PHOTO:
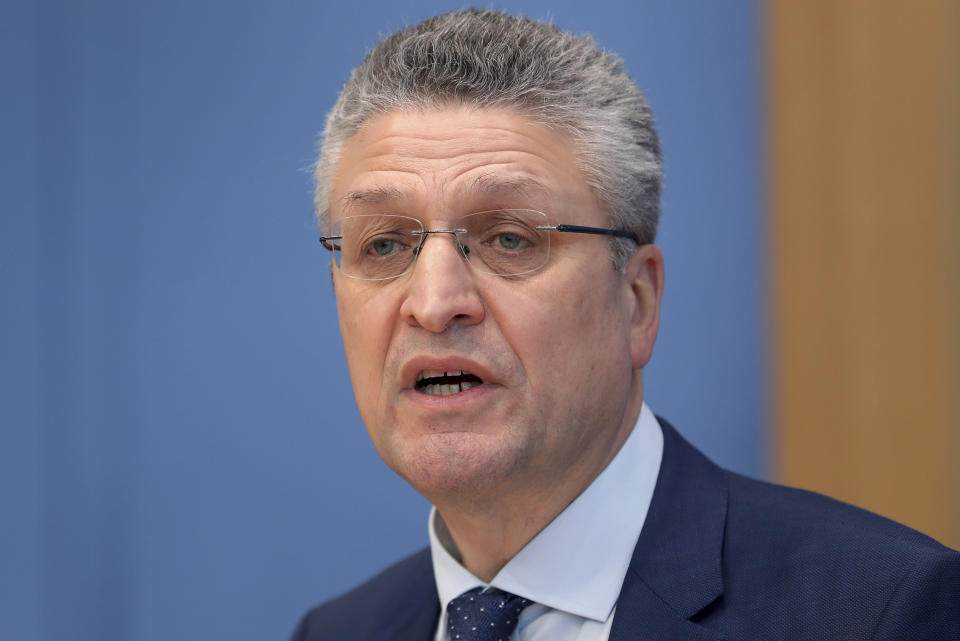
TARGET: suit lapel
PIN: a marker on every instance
(419, 627)
(417, 612)
(642, 615)
(676, 569)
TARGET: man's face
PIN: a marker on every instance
(557, 352)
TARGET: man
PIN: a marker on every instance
(489, 187)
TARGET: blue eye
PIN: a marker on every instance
(510, 241)
(383, 246)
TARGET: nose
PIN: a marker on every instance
(442, 290)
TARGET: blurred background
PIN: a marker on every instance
(180, 454)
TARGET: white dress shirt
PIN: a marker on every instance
(574, 568)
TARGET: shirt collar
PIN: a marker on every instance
(578, 562)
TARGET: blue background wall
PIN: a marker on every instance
(180, 449)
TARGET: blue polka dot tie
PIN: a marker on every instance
(484, 616)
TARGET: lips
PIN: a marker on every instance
(445, 383)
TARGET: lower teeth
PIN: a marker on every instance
(447, 389)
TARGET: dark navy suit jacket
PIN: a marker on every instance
(725, 557)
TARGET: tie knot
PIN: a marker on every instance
(484, 615)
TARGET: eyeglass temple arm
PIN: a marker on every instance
(325, 241)
(580, 229)
(574, 229)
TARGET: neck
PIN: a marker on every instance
(484, 533)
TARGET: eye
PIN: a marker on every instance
(511, 242)
(382, 246)
(505, 232)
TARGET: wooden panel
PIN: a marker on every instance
(865, 160)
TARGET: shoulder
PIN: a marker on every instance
(784, 547)
(802, 518)
(793, 564)
(380, 601)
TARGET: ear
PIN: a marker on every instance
(644, 274)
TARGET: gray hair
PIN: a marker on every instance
(494, 60)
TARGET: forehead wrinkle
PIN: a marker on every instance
(506, 184)
(439, 160)
(512, 170)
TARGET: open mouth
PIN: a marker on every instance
(437, 383)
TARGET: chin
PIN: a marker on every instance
(457, 463)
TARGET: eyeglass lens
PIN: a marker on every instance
(503, 242)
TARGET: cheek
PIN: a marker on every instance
(577, 336)
(559, 334)
(365, 327)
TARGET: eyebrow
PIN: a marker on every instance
(488, 184)
(508, 185)
(373, 196)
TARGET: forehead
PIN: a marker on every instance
(449, 159)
